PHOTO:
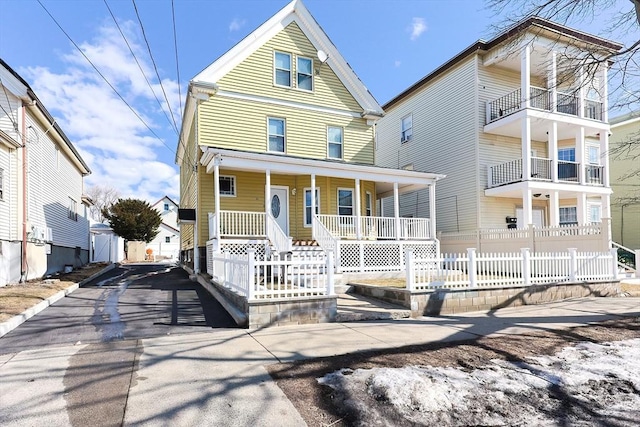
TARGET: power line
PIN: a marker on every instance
(175, 48)
(140, 67)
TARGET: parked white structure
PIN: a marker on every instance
(44, 223)
(106, 246)
(518, 124)
(167, 243)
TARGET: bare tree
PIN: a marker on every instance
(102, 196)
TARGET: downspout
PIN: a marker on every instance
(23, 272)
(196, 252)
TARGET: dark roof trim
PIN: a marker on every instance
(511, 32)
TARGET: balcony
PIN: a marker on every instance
(542, 99)
(541, 170)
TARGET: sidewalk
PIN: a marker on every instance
(219, 377)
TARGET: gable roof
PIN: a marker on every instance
(540, 25)
(163, 198)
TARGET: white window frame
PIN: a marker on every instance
(330, 143)
(284, 135)
(298, 73)
(1, 184)
(72, 211)
(167, 239)
(406, 134)
(567, 149)
(575, 209)
(590, 207)
(352, 200)
(307, 221)
(234, 188)
(593, 147)
(368, 203)
(166, 207)
(275, 69)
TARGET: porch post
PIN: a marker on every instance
(580, 160)
(582, 81)
(267, 191)
(396, 210)
(432, 210)
(581, 208)
(604, 92)
(553, 150)
(604, 153)
(526, 149)
(527, 208)
(216, 195)
(313, 203)
(357, 201)
(525, 76)
(554, 209)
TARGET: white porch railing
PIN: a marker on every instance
(343, 227)
(477, 270)
(323, 236)
(274, 277)
(415, 229)
(277, 236)
(237, 224)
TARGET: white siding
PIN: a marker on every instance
(5, 203)
(443, 141)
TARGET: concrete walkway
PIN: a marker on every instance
(218, 377)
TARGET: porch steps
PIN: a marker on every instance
(357, 308)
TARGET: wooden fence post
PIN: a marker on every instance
(473, 267)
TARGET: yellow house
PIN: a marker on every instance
(277, 116)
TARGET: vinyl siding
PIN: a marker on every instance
(188, 188)
(444, 138)
(10, 104)
(6, 213)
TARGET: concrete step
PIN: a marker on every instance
(355, 308)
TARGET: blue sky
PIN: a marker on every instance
(389, 44)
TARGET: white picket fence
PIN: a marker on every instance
(275, 276)
(477, 270)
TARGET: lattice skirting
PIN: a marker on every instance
(381, 256)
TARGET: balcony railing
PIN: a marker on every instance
(568, 171)
(542, 99)
(376, 228)
(594, 174)
(541, 170)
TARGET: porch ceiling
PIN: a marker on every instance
(565, 191)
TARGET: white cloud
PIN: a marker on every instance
(417, 27)
(397, 63)
(237, 24)
(119, 149)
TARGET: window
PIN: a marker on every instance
(406, 128)
(595, 213)
(227, 186)
(368, 205)
(282, 69)
(1, 184)
(166, 206)
(567, 154)
(345, 201)
(276, 135)
(167, 239)
(334, 135)
(73, 209)
(304, 72)
(568, 216)
(307, 205)
(594, 155)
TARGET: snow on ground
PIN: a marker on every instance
(580, 386)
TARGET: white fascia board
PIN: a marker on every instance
(625, 122)
(289, 165)
(7, 140)
(185, 130)
(13, 85)
(543, 186)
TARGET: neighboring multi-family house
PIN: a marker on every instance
(519, 125)
(44, 225)
(625, 180)
(277, 116)
(166, 244)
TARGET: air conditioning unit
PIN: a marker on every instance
(37, 233)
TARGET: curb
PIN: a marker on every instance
(19, 319)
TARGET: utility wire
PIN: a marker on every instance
(144, 35)
(175, 48)
(105, 79)
(140, 67)
(13, 122)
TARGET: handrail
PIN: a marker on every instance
(277, 236)
(322, 235)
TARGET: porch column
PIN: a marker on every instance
(525, 76)
(604, 92)
(216, 194)
(396, 209)
(313, 203)
(580, 155)
(605, 216)
(604, 154)
(554, 209)
(526, 149)
(553, 82)
(527, 208)
(357, 201)
(581, 208)
(432, 211)
(553, 150)
(267, 192)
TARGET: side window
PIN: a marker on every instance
(276, 129)
(304, 72)
(307, 205)
(282, 69)
(345, 201)
(73, 210)
(368, 208)
(227, 186)
(334, 136)
(406, 128)
(568, 215)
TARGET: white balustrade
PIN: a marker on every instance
(239, 223)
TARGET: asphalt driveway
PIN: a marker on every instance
(132, 301)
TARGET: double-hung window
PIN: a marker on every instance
(368, 204)
(167, 239)
(227, 186)
(1, 184)
(276, 135)
(282, 69)
(73, 209)
(307, 205)
(568, 215)
(406, 128)
(304, 71)
(334, 136)
(345, 201)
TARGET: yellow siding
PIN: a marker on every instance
(188, 187)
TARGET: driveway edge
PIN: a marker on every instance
(19, 319)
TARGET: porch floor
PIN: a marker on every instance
(354, 308)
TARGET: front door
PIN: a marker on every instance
(537, 217)
(280, 207)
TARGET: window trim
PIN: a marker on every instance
(72, 209)
(352, 190)
(1, 184)
(567, 149)
(233, 183)
(596, 147)
(591, 205)
(299, 73)
(275, 68)
(368, 203)
(560, 216)
(167, 239)
(284, 135)
(334, 143)
(304, 206)
(404, 139)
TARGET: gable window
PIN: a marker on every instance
(166, 206)
(227, 186)
(276, 135)
(406, 128)
(167, 239)
(304, 71)
(345, 201)
(368, 205)
(307, 205)
(1, 184)
(568, 215)
(334, 136)
(282, 69)
(73, 209)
